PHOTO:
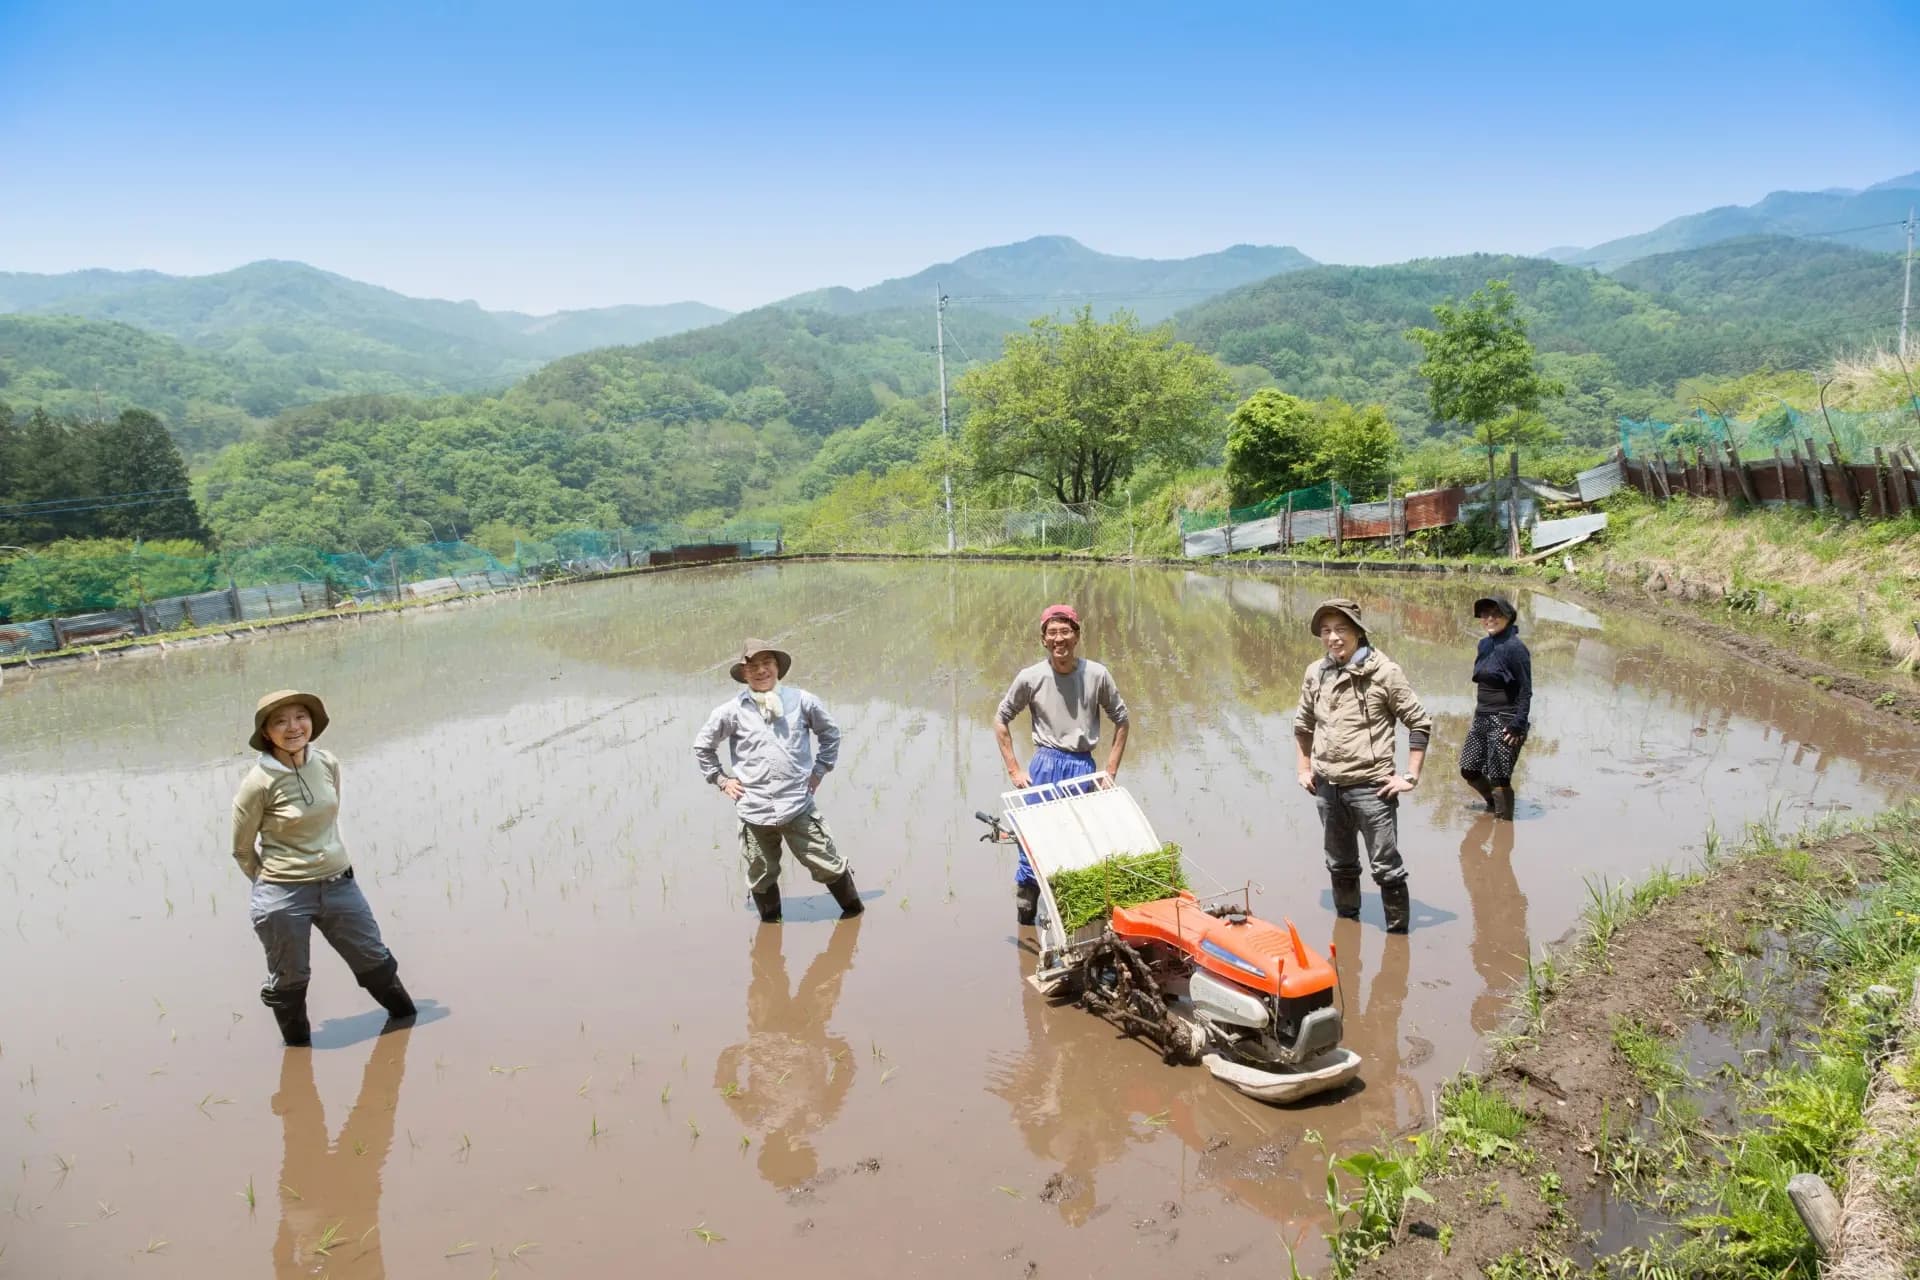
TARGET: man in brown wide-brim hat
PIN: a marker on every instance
(769, 729)
(1350, 701)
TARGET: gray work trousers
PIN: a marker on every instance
(808, 838)
(1347, 813)
(285, 914)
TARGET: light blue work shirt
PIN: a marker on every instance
(774, 759)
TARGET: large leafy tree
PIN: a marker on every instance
(134, 456)
(1077, 406)
(1481, 371)
(1277, 443)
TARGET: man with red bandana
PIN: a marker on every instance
(1066, 695)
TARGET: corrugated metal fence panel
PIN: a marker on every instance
(99, 628)
(1597, 482)
(1432, 509)
(209, 609)
(1204, 542)
(27, 637)
(1371, 520)
(1551, 533)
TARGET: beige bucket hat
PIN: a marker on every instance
(753, 648)
(276, 700)
(1348, 609)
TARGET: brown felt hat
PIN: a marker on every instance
(273, 702)
(1348, 609)
(753, 648)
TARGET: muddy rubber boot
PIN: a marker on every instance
(1478, 781)
(1346, 897)
(1399, 905)
(290, 1011)
(383, 984)
(846, 895)
(1026, 899)
(768, 901)
(1503, 803)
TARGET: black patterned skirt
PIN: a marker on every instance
(1487, 753)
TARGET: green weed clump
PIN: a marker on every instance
(1126, 880)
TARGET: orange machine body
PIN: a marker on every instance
(1255, 953)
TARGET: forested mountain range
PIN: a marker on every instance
(1620, 343)
(1052, 273)
(1858, 219)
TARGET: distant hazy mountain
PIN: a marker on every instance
(1859, 219)
(292, 311)
(1049, 273)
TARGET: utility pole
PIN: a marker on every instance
(1906, 292)
(940, 350)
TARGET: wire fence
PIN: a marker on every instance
(1854, 434)
(90, 593)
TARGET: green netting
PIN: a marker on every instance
(1780, 427)
(68, 579)
(1317, 497)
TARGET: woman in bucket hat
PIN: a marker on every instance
(1503, 676)
(1343, 733)
(769, 730)
(286, 838)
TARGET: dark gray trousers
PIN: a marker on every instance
(284, 916)
(1351, 814)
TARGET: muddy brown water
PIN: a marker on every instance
(604, 1022)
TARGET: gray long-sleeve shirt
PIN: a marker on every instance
(1066, 709)
(774, 759)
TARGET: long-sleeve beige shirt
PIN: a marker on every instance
(286, 822)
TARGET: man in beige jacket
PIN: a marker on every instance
(1343, 734)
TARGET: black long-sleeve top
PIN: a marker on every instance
(1503, 670)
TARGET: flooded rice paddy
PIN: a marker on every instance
(618, 1071)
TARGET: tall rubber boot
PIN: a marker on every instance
(846, 895)
(383, 984)
(1478, 781)
(1346, 896)
(768, 900)
(1503, 803)
(289, 1005)
(1026, 899)
(1399, 905)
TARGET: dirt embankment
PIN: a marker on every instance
(1575, 1087)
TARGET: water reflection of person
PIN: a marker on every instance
(322, 1182)
(1052, 1088)
(791, 1075)
(1499, 910)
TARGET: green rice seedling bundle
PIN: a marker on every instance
(1126, 880)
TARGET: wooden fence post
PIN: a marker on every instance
(1393, 538)
(1666, 486)
(1848, 499)
(1780, 473)
(233, 596)
(1747, 489)
(1338, 522)
(1911, 473)
(1814, 1201)
(1286, 525)
(1893, 494)
(1817, 479)
(1513, 504)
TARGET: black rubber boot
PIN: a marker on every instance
(1503, 803)
(1346, 897)
(383, 984)
(1026, 899)
(1478, 781)
(289, 1005)
(1399, 905)
(768, 900)
(846, 895)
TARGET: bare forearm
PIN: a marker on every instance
(1415, 758)
(1004, 736)
(1119, 749)
(1302, 751)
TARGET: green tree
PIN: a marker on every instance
(1077, 406)
(1357, 447)
(1481, 371)
(1272, 439)
(134, 456)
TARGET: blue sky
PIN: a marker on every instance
(564, 155)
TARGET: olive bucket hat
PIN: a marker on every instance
(273, 702)
(1348, 609)
(753, 648)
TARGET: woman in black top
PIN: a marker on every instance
(1503, 673)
